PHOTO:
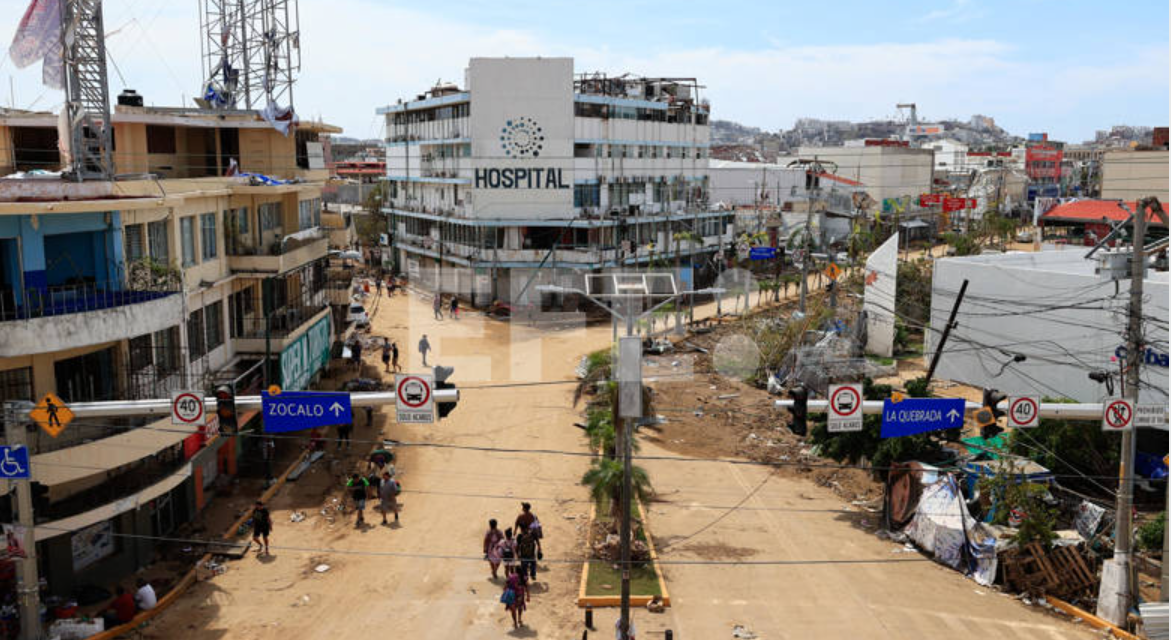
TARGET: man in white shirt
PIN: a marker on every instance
(145, 598)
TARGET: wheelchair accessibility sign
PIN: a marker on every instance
(14, 462)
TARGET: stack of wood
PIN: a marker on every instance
(1061, 571)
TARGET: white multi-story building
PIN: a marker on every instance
(530, 166)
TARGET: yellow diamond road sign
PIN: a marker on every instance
(51, 414)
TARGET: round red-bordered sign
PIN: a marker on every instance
(1119, 415)
(413, 402)
(1012, 411)
(833, 402)
(187, 407)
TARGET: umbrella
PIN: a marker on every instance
(385, 455)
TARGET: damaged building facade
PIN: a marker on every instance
(176, 275)
(531, 167)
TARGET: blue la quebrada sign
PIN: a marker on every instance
(762, 253)
(920, 415)
(300, 410)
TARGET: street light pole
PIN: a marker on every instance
(28, 583)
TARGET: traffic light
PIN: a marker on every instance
(225, 409)
(799, 410)
(441, 375)
(987, 416)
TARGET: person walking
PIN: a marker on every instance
(386, 351)
(394, 357)
(506, 549)
(268, 454)
(492, 538)
(527, 521)
(526, 552)
(424, 347)
(357, 486)
(261, 527)
(388, 490)
(343, 434)
(437, 306)
(454, 308)
(516, 590)
(378, 287)
(356, 355)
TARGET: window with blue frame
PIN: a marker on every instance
(187, 231)
(586, 195)
(207, 235)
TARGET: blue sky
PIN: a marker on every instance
(1063, 66)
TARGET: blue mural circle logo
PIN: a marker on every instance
(522, 138)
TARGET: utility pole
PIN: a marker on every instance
(28, 584)
(630, 408)
(1114, 595)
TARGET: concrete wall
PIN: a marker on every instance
(885, 172)
(1130, 175)
(1008, 307)
(56, 333)
(737, 183)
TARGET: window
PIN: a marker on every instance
(135, 244)
(207, 235)
(166, 350)
(195, 342)
(140, 353)
(586, 195)
(160, 139)
(270, 215)
(242, 310)
(16, 384)
(187, 230)
(160, 242)
(309, 213)
(242, 220)
(213, 318)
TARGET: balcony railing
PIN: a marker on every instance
(136, 477)
(278, 324)
(81, 297)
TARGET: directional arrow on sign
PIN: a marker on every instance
(336, 409)
(952, 415)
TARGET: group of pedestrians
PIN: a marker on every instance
(517, 548)
(384, 486)
(452, 307)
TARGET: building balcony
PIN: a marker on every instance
(55, 318)
(280, 258)
(274, 332)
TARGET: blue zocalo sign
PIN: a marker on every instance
(300, 410)
(920, 415)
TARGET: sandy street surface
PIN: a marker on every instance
(424, 579)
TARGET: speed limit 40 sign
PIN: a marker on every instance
(1024, 412)
(186, 407)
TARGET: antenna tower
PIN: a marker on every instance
(87, 102)
(251, 52)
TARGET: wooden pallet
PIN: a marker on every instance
(1061, 571)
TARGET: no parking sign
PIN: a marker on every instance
(1117, 415)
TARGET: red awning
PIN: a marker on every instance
(1094, 211)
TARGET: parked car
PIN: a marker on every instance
(1024, 236)
(358, 316)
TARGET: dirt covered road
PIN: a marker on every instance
(423, 579)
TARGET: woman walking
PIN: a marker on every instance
(492, 538)
(516, 590)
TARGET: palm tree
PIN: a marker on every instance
(604, 479)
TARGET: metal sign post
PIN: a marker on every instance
(28, 583)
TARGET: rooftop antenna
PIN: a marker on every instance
(87, 95)
(912, 121)
(251, 52)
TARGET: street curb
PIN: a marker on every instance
(614, 601)
(1091, 619)
(189, 578)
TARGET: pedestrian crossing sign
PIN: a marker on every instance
(51, 414)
